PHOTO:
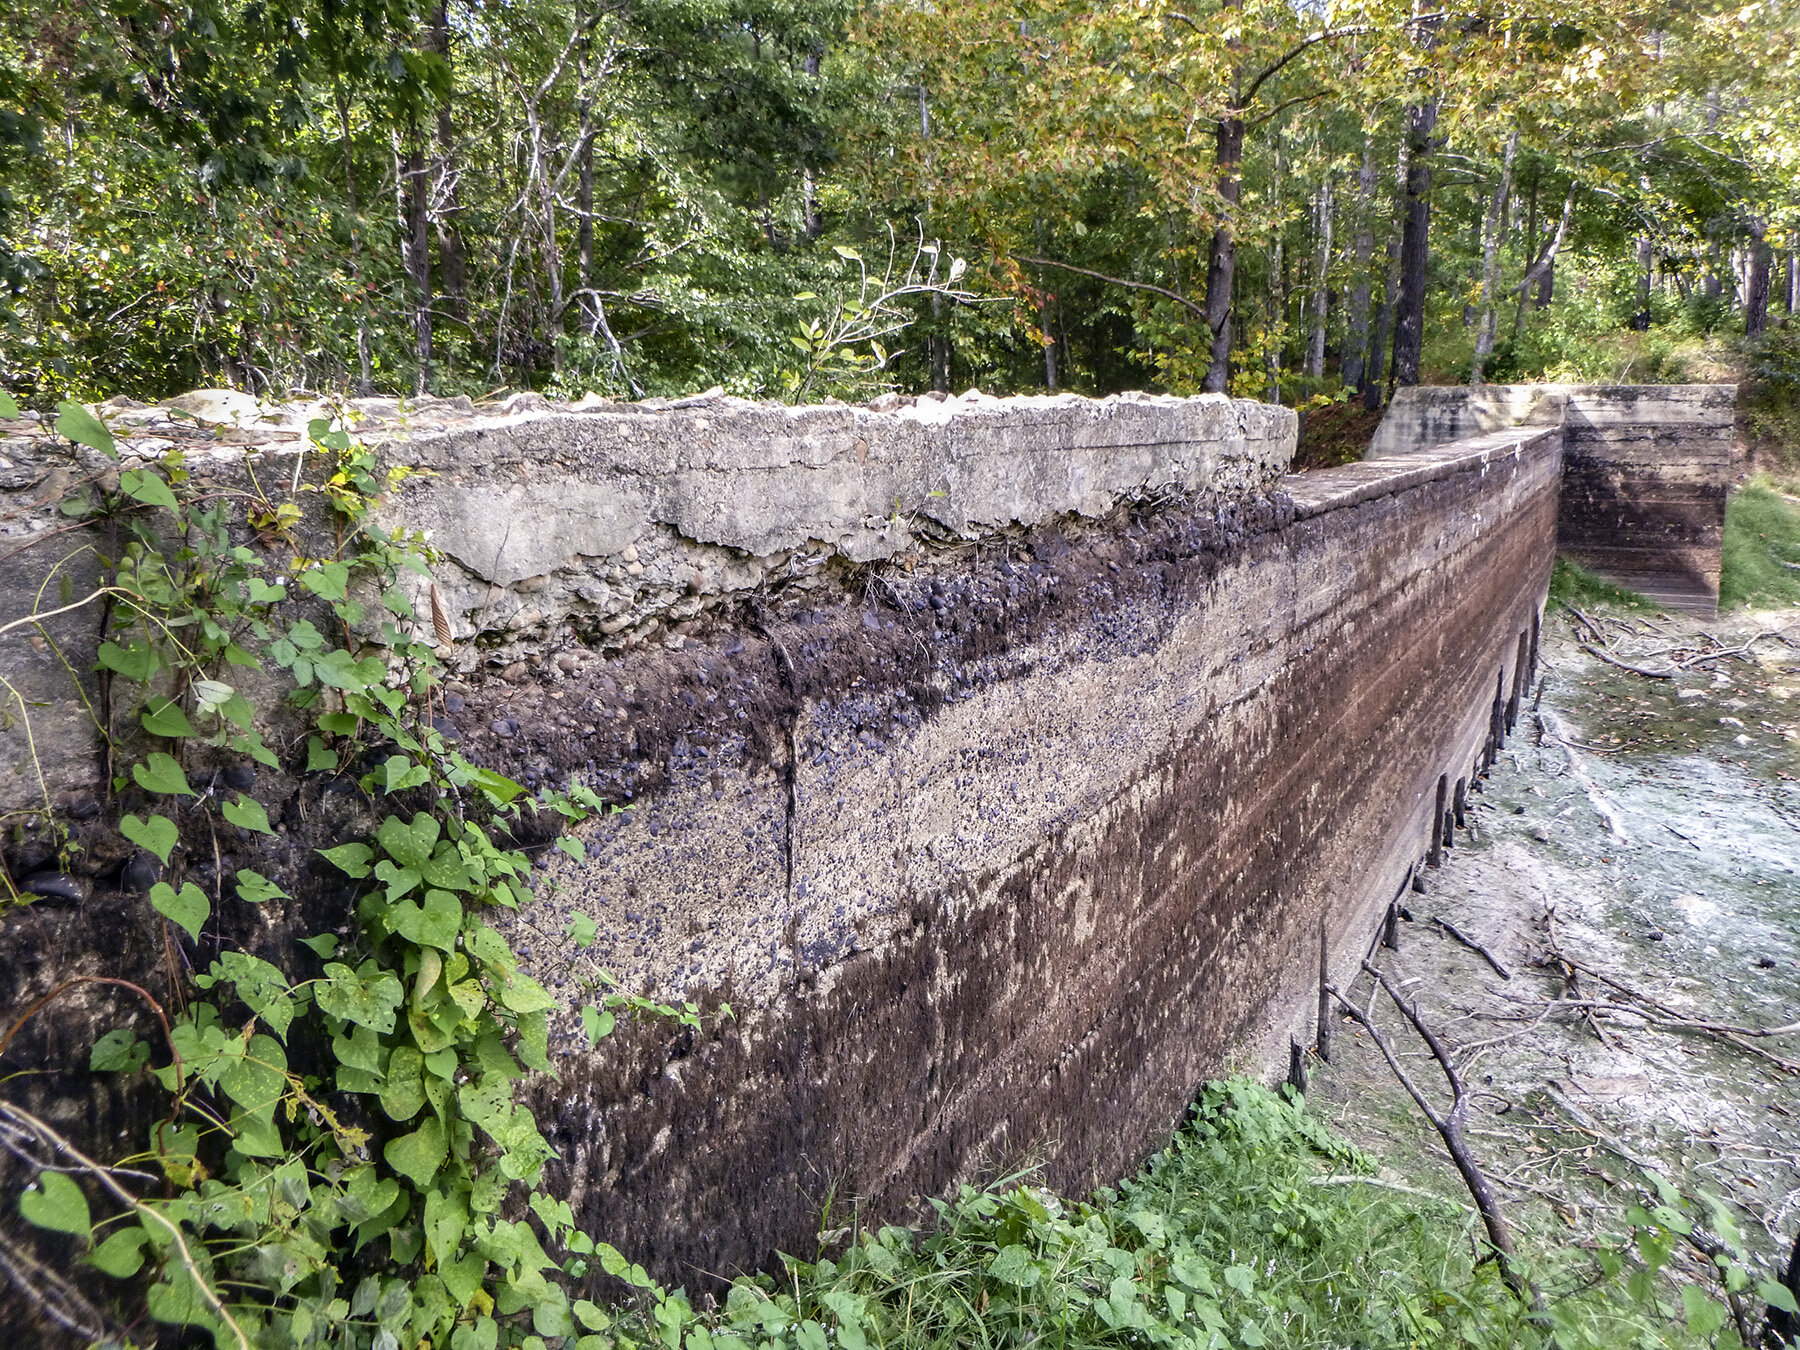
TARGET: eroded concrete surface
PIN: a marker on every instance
(1660, 821)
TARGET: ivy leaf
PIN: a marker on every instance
(324, 945)
(247, 813)
(81, 426)
(417, 1156)
(161, 774)
(55, 1202)
(522, 994)
(572, 846)
(121, 1255)
(147, 486)
(9, 410)
(351, 859)
(368, 996)
(158, 834)
(435, 924)
(138, 661)
(118, 1051)
(496, 785)
(188, 907)
(400, 773)
(1704, 1315)
(164, 717)
(403, 1090)
(596, 1023)
(408, 845)
(255, 889)
(583, 929)
(330, 581)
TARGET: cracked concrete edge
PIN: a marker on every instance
(612, 524)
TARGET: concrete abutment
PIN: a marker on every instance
(1011, 766)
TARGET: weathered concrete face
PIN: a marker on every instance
(1647, 470)
(1001, 843)
(1012, 876)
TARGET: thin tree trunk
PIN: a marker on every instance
(1494, 234)
(1756, 289)
(365, 385)
(1415, 247)
(418, 252)
(1355, 358)
(1545, 265)
(1640, 321)
(1221, 256)
(453, 264)
(1321, 297)
(1374, 385)
(1793, 281)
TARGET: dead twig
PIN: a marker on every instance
(1473, 946)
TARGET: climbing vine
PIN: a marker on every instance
(340, 1146)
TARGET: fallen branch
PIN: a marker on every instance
(1737, 1036)
(1612, 660)
(1449, 1126)
(1473, 946)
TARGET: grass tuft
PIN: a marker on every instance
(1572, 585)
(1762, 547)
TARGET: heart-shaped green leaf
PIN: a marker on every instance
(164, 717)
(254, 888)
(408, 845)
(433, 924)
(403, 1091)
(158, 834)
(82, 427)
(247, 813)
(121, 1255)
(188, 907)
(417, 1156)
(367, 996)
(147, 486)
(9, 409)
(350, 859)
(53, 1201)
(161, 774)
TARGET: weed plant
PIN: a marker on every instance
(1255, 1228)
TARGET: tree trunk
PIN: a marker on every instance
(418, 252)
(1542, 271)
(1640, 321)
(453, 264)
(1494, 233)
(1756, 288)
(1374, 383)
(809, 188)
(1321, 297)
(1221, 257)
(1355, 362)
(1415, 247)
(1793, 281)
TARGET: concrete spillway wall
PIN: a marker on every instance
(1647, 471)
(1007, 764)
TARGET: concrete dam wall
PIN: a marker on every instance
(1647, 469)
(1010, 766)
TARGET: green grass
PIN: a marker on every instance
(1572, 585)
(1762, 537)
(1231, 1237)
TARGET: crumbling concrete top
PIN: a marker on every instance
(616, 522)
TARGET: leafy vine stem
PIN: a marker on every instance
(341, 1147)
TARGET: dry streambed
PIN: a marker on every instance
(1633, 864)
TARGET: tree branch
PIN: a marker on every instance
(1179, 299)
